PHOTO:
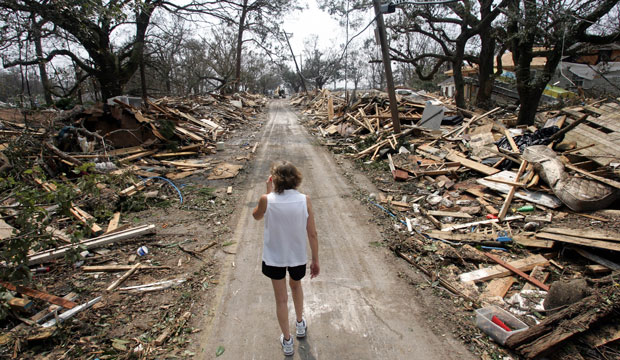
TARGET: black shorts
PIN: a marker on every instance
(278, 273)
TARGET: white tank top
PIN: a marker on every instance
(285, 236)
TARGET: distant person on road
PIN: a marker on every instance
(289, 221)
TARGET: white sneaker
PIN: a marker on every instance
(287, 346)
(301, 328)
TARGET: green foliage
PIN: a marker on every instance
(65, 103)
(166, 128)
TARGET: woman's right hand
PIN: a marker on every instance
(315, 269)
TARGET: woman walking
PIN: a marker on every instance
(289, 221)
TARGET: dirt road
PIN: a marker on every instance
(358, 308)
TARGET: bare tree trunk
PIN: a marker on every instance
(244, 13)
(143, 80)
(487, 50)
(459, 83)
(36, 35)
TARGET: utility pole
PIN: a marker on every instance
(388, 67)
(303, 83)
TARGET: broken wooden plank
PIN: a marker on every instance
(499, 271)
(504, 210)
(531, 241)
(539, 274)
(181, 153)
(481, 222)
(517, 271)
(603, 335)
(498, 287)
(113, 224)
(590, 234)
(137, 156)
(39, 295)
(580, 241)
(487, 170)
(126, 275)
(455, 214)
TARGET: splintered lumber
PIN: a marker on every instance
(539, 274)
(604, 180)
(455, 214)
(133, 189)
(530, 241)
(137, 156)
(481, 222)
(590, 234)
(330, 108)
(126, 275)
(498, 287)
(70, 313)
(499, 271)
(470, 237)
(573, 320)
(113, 222)
(86, 219)
(517, 271)
(487, 170)
(39, 295)
(99, 241)
(504, 210)
(82, 216)
(568, 128)
(580, 241)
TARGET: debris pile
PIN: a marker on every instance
(495, 212)
(66, 173)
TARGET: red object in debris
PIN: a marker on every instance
(491, 216)
(400, 175)
(500, 323)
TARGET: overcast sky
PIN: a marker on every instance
(313, 21)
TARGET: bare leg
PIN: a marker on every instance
(298, 298)
(280, 291)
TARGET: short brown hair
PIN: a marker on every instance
(285, 176)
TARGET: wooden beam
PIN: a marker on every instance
(517, 271)
(498, 271)
(129, 272)
(511, 193)
(39, 295)
(113, 222)
(487, 170)
(580, 241)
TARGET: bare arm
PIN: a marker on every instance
(261, 207)
(313, 240)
